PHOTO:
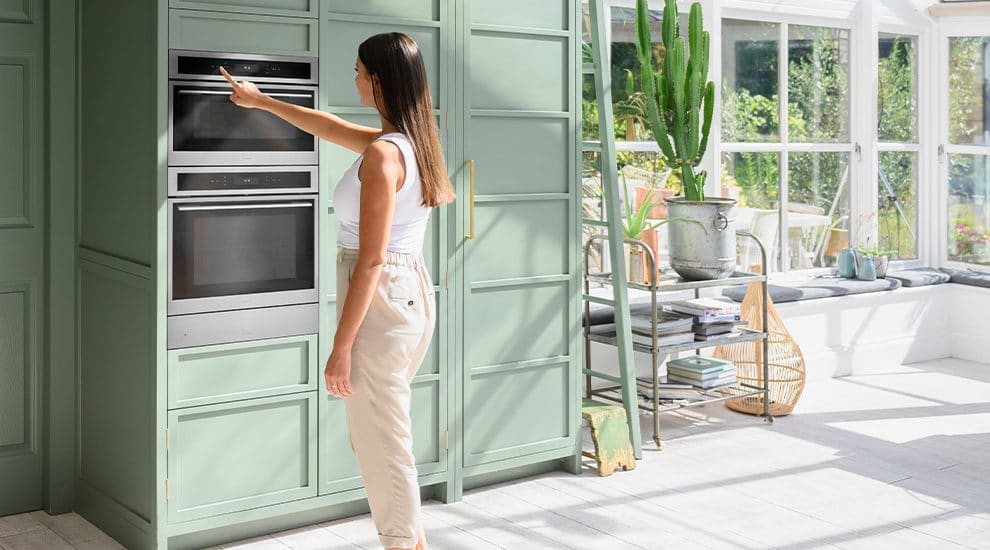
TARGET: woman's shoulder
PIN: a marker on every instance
(384, 157)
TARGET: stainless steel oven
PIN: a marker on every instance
(207, 129)
(242, 253)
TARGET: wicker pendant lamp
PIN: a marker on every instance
(786, 363)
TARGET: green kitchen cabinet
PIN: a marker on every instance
(219, 443)
(266, 448)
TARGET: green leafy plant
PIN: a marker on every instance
(875, 249)
(679, 99)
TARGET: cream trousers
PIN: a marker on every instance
(389, 348)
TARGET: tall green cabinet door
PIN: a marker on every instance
(22, 249)
(344, 24)
(518, 229)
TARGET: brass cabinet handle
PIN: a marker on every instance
(470, 235)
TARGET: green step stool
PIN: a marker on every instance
(610, 434)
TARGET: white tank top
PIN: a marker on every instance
(410, 218)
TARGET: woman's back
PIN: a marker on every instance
(410, 218)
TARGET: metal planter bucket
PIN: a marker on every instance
(694, 254)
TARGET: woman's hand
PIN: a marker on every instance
(338, 373)
(245, 93)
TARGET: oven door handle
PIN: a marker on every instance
(200, 208)
(228, 92)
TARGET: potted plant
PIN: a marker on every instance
(680, 102)
(880, 254)
(634, 225)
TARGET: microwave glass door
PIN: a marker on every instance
(205, 120)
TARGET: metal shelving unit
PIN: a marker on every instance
(668, 282)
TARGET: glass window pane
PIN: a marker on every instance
(969, 90)
(897, 99)
(969, 209)
(817, 208)
(750, 110)
(627, 97)
(754, 179)
(898, 204)
(818, 84)
(589, 109)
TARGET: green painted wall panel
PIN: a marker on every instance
(340, 55)
(118, 137)
(539, 149)
(23, 248)
(537, 80)
(409, 9)
(14, 138)
(116, 386)
(15, 368)
(530, 323)
(297, 8)
(265, 447)
(544, 14)
(17, 11)
(226, 32)
(533, 234)
(514, 409)
(228, 372)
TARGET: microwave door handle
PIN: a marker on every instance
(228, 92)
(200, 208)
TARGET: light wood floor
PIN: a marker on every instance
(893, 460)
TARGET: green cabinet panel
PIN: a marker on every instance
(545, 14)
(17, 11)
(428, 10)
(264, 450)
(517, 411)
(533, 233)
(539, 149)
(340, 54)
(298, 8)
(338, 468)
(228, 372)
(538, 82)
(116, 379)
(515, 323)
(15, 425)
(227, 32)
(16, 117)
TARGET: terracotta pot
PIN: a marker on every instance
(649, 237)
(659, 211)
(730, 193)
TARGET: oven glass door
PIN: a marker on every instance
(207, 128)
(230, 254)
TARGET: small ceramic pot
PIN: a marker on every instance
(866, 270)
(847, 263)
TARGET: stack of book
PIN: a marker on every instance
(712, 318)
(672, 328)
(701, 372)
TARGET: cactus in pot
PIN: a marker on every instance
(680, 100)
(680, 105)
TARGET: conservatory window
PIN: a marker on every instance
(898, 148)
(793, 175)
(967, 151)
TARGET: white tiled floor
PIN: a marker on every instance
(893, 460)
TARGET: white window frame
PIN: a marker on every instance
(784, 145)
(926, 143)
(949, 27)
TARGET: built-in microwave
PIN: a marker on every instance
(207, 129)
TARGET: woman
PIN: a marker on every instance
(385, 302)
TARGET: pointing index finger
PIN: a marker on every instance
(228, 77)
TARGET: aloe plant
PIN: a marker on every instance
(636, 222)
(680, 101)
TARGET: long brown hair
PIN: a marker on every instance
(402, 95)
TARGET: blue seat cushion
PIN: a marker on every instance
(810, 289)
(919, 276)
(964, 277)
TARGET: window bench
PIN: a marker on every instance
(926, 314)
